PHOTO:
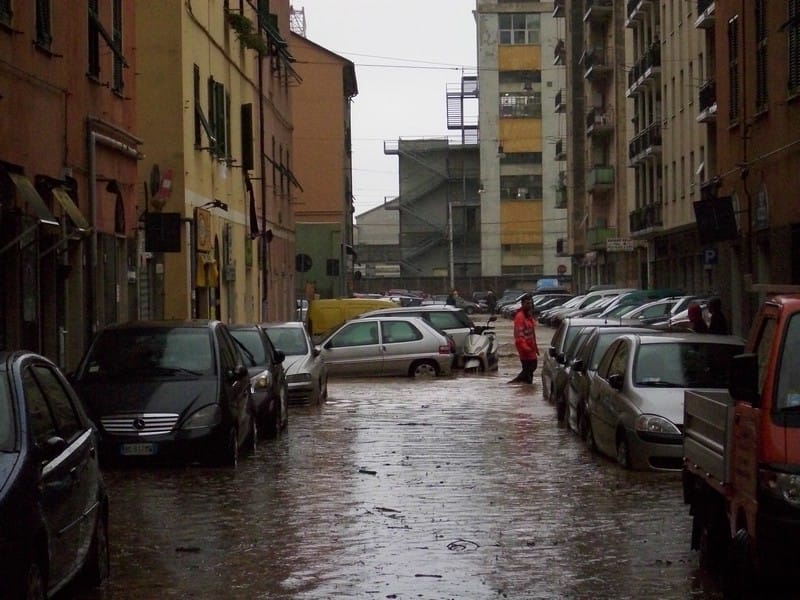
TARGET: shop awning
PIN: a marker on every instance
(32, 198)
(72, 210)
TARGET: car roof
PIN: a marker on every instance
(686, 336)
(408, 309)
(298, 324)
(163, 324)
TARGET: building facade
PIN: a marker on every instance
(68, 173)
(323, 204)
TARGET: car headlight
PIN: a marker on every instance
(262, 382)
(298, 378)
(208, 416)
(655, 424)
(783, 486)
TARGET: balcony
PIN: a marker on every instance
(599, 121)
(562, 248)
(637, 10)
(560, 53)
(645, 144)
(598, 11)
(596, 236)
(646, 219)
(561, 151)
(600, 179)
(595, 64)
(558, 8)
(705, 14)
(561, 190)
(646, 71)
(708, 102)
(560, 103)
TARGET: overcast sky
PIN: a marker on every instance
(406, 52)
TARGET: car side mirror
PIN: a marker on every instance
(615, 381)
(316, 350)
(238, 372)
(561, 359)
(54, 446)
(577, 365)
(280, 356)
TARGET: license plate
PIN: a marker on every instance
(138, 449)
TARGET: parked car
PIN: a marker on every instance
(53, 501)
(387, 345)
(306, 372)
(546, 315)
(327, 314)
(268, 386)
(554, 380)
(635, 404)
(449, 319)
(664, 309)
(584, 366)
(168, 389)
(468, 306)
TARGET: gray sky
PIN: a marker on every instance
(406, 52)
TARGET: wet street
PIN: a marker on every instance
(461, 487)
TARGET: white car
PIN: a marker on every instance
(306, 373)
(387, 346)
(635, 403)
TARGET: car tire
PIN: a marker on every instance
(323, 389)
(35, 585)
(738, 576)
(284, 408)
(590, 441)
(97, 567)
(424, 368)
(227, 453)
(623, 451)
(583, 424)
(713, 539)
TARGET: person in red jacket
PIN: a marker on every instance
(525, 341)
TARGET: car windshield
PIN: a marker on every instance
(788, 374)
(252, 344)
(7, 431)
(291, 340)
(157, 351)
(684, 364)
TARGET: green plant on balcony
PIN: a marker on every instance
(245, 33)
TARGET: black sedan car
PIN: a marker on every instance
(168, 389)
(53, 502)
(267, 377)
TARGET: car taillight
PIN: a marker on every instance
(445, 349)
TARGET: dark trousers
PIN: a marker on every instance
(526, 374)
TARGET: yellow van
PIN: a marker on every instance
(326, 314)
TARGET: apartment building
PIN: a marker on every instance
(323, 202)
(68, 172)
(520, 221)
(214, 98)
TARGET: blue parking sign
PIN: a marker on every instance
(710, 256)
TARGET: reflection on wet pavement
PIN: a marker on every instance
(460, 487)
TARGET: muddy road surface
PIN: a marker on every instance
(461, 487)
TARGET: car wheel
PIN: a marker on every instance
(227, 454)
(623, 451)
(34, 582)
(98, 564)
(712, 542)
(739, 574)
(424, 369)
(284, 407)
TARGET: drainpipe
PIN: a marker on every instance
(101, 132)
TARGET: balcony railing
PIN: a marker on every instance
(707, 102)
(599, 121)
(561, 196)
(594, 63)
(648, 65)
(646, 217)
(636, 10)
(645, 143)
(705, 14)
(559, 53)
(600, 178)
(596, 236)
(561, 151)
(558, 8)
(560, 104)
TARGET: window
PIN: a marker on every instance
(399, 331)
(5, 12)
(761, 55)
(521, 187)
(518, 28)
(788, 373)
(218, 113)
(522, 104)
(63, 411)
(522, 77)
(733, 68)
(247, 136)
(332, 267)
(44, 34)
(356, 334)
(117, 61)
(94, 41)
(793, 35)
(521, 158)
(200, 122)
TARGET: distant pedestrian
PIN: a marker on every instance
(525, 341)
(696, 322)
(491, 302)
(718, 323)
(452, 298)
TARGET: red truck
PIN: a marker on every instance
(741, 471)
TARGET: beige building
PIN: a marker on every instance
(214, 83)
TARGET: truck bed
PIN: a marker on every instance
(708, 423)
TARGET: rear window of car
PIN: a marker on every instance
(449, 319)
(684, 364)
(290, 340)
(123, 351)
(253, 344)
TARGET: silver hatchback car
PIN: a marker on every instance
(635, 404)
(386, 346)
